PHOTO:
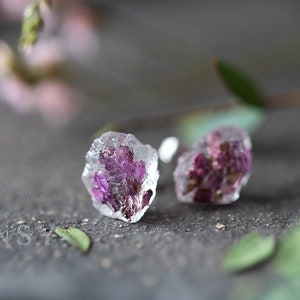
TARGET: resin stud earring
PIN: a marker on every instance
(214, 169)
(121, 176)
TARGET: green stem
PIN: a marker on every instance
(158, 121)
(283, 100)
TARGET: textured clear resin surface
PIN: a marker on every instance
(121, 176)
(214, 170)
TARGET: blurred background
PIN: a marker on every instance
(104, 61)
(126, 58)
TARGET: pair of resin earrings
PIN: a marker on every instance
(121, 173)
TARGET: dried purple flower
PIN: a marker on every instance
(215, 168)
(121, 176)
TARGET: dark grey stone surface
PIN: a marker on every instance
(175, 251)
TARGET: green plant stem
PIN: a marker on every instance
(283, 100)
(158, 121)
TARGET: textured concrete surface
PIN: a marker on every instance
(175, 251)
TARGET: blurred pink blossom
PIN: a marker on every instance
(78, 32)
(70, 32)
(12, 9)
(46, 54)
(17, 94)
(54, 100)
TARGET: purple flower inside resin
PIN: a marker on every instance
(215, 168)
(121, 181)
(121, 175)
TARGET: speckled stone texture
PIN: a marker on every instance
(41, 190)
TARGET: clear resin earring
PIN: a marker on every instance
(121, 176)
(215, 168)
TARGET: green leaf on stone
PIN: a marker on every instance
(250, 251)
(287, 262)
(75, 237)
(193, 126)
(240, 84)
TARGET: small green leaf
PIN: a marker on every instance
(250, 251)
(31, 25)
(75, 237)
(287, 262)
(242, 85)
(31, 11)
(191, 127)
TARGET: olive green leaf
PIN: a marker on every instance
(250, 251)
(75, 237)
(191, 127)
(32, 23)
(287, 261)
(240, 84)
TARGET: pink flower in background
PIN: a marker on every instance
(70, 32)
(78, 32)
(12, 9)
(57, 102)
(54, 100)
(46, 54)
(17, 94)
